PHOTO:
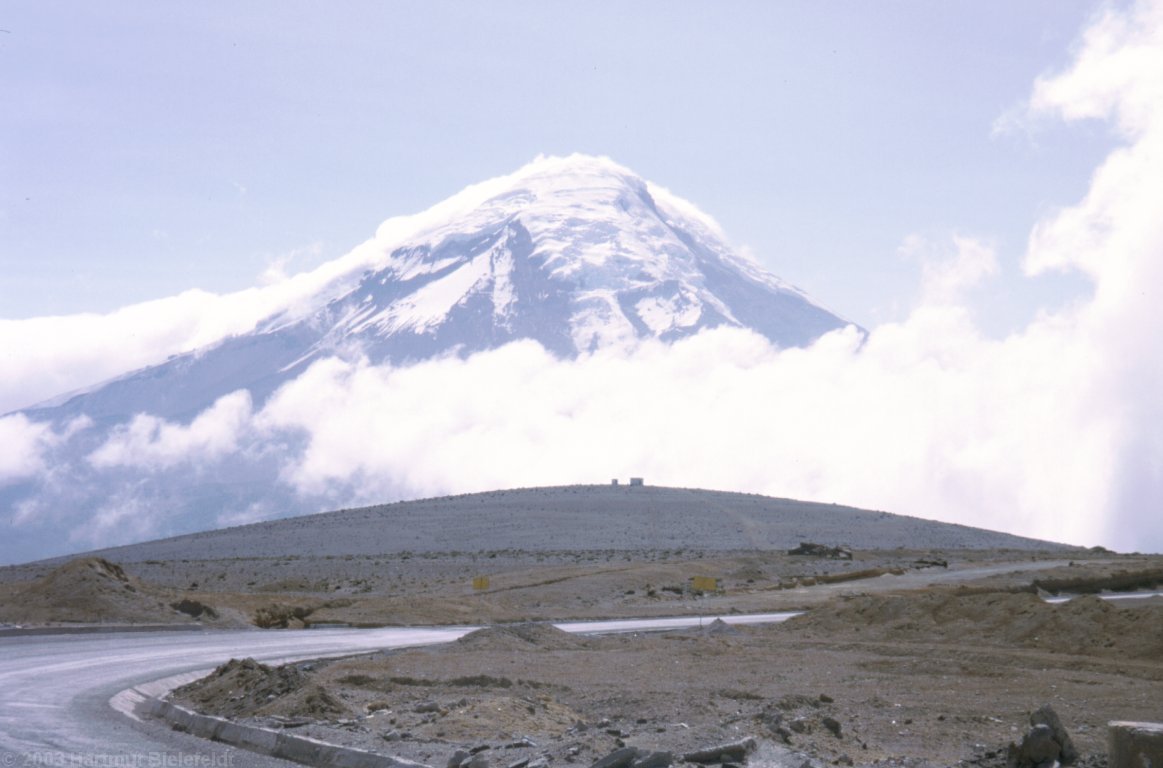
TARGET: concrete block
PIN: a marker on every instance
(230, 733)
(299, 749)
(258, 739)
(180, 719)
(203, 726)
(1134, 745)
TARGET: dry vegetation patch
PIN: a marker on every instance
(1085, 625)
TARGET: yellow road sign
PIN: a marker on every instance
(705, 583)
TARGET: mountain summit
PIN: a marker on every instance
(577, 253)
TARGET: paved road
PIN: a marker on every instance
(55, 690)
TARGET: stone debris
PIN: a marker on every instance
(811, 549)
(833, 726)
(619, 758)
(733, 752)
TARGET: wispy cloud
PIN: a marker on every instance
(46, 356)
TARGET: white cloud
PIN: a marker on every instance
(276, 270)
(45, 357)
(926, 418)
(153, 443)
(22, 446)
(1116, 75)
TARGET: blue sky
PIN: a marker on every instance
(149, 148)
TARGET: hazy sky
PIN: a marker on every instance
(148, 148)
(978, 184)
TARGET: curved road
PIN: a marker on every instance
(55, 690)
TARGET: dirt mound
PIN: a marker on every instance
(1084, 625)
(479, 718)
(517, 637)
(90, 590)
(246, 688)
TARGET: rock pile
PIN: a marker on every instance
(797, 715)
(811, 549)
(246, 688)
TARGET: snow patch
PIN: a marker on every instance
(662, 314)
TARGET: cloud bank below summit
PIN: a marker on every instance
(1050, 432)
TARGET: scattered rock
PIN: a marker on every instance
(194, 609)
(654, 760)
(833, 726)
(281, 616)
(735, 751)
(479, 760)
(811, 549)
(619, 758)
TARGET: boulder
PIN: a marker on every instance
(1039, 747)
(833, 726)
(619, 758)
(723, 753)
(653, 760)
(1045, 715)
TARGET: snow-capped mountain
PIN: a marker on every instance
(577, 254)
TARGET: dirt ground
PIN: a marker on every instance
(917, 665)
(905, 657)
(923, 643)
